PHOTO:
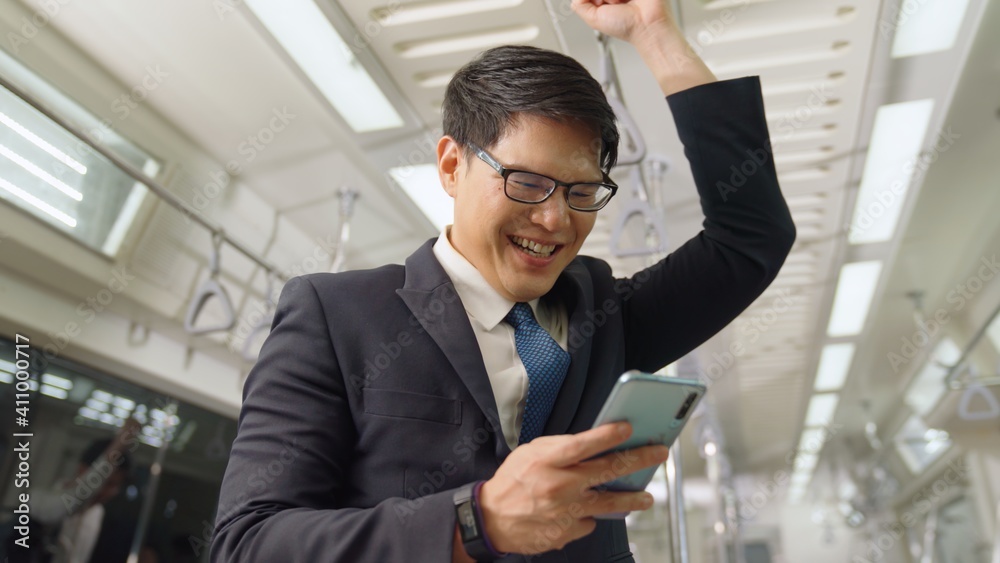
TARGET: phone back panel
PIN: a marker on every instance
(650, 403)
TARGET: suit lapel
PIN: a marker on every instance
(576, 289)
(431, 297)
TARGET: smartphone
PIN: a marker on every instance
(658, 407)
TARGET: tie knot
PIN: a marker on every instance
(519, 314)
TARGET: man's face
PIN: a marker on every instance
(490, 229)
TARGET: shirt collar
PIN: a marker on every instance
(480, 299)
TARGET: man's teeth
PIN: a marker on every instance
(534, 247)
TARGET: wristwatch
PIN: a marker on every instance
(470, 524)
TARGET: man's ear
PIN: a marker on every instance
(450, 157)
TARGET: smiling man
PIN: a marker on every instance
(442, 408)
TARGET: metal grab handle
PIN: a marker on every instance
(655, 226)
(263, 324)
(993, 407)
(634, 145)
(347, 198)
(211, 288)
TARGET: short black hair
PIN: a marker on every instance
(485, 94)
(98, 447)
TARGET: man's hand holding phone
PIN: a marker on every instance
(542, 496)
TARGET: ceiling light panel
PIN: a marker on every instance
(423, 185)
(893, 152)
(821, 409)
(855, 290)
(927, 26)
(305, 33)
(834, 363)
(421, 44)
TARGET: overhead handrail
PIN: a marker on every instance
(211, 288)
(656, 228)
(348, 196)
(634, 144)
(953, 378)
(139, 176)
(263, 324)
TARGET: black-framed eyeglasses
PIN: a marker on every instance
(529, 187)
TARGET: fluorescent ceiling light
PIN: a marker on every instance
(55, 392)
(927, 26)
(42, 144)
(821, 409)
(467, 42)
(37, 171)
(37, 203)
(56, 381)
(124, 403)
(97, 404)
(806, 462)
(423, 185)
(855, 290)
(812, 441)
(103, 396)
(834, 362)
(6, 377)
(801, 478)
(418, 12)
(304, 31)
(893, 152)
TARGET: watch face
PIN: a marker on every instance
(467, 521)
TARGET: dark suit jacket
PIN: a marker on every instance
(370, 402)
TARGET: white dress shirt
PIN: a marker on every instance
(486, 309)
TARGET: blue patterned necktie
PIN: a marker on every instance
(546, 363)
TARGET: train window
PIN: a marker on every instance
(52, 175)
(167, 500)
(919, 445)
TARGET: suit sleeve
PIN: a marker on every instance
(281, 497)
(675, 305)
